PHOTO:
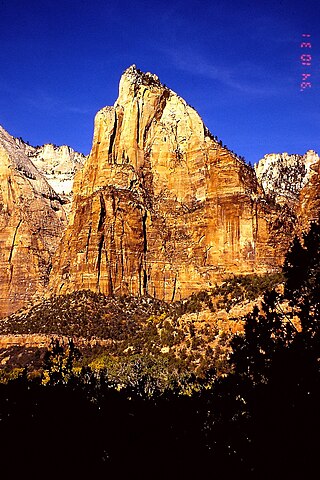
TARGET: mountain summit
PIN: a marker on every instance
(161, 207)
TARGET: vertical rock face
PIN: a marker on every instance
(160, 207)
(31, 224)
(309, 198)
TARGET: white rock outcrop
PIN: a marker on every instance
(282, 176)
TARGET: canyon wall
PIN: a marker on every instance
(58, 164)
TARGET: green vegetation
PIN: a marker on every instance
(87, 314)
(127, 335)
(245, 287)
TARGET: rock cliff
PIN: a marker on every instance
(283, 176)
(32, 220)
(309, 199)
(161, 207)
(293, 182)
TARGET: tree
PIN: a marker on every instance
(275, 385)
(59, 360)
(302, 288)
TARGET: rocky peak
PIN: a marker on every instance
(59, 166)
(136, 77)
(19, 161)
(160, 207)
(23, 145)
(127, 137)
(283, 176)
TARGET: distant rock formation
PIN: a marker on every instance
(283, 176)
(32, 221)
(58, 164)
(293, 182)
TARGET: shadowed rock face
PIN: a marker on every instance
(160, 207)
(32, 221)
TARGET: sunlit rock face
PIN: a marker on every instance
(32, 221)
(309, 198)
(58, 165)
(160, 207)
(293, 182)
(283, 176)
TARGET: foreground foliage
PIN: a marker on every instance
(260, 421)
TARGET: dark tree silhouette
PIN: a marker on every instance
(59, 360)
(302, 288)
(275, 385)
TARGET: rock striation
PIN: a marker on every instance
(32, 220)
(161, 207)
(309, 199)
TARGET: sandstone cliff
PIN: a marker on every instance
(160, 207)
(309, 199)
(31, 224)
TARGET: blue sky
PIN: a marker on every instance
(236, 62)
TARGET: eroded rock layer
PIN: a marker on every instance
(160, 206)
(32, 221)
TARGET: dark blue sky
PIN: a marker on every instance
(236, 62)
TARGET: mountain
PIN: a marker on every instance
(32, 220)
(283, 176)
(161, 207)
